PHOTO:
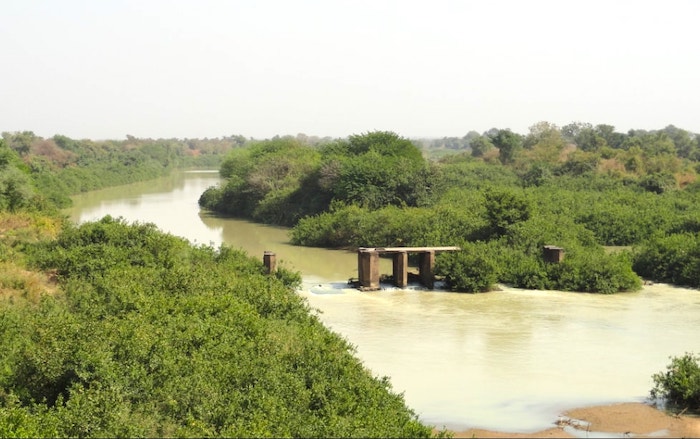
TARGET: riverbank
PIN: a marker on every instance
(616, 420)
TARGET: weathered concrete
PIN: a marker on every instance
(270, 261)
(426, 262)
(413, 249)
(553, 253)
(368, 269)
(368, 265)
(401, 269)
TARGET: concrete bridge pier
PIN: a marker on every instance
(368, 265)
(426, 262)
(401, 269)
(270, 261)
(368, 269)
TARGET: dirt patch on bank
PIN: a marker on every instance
(620, 420)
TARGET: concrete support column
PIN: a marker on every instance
(426, 261)
(401, 269)
(270, 261)
(368, 269)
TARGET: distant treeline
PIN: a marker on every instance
(584, 135)
(53, 169)
(579, 187)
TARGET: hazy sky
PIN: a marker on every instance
(209, 68)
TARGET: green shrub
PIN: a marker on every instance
(674, 259)
(472, 270)
(152, 336)
(680, 384)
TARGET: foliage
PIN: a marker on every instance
(155, 337)
(16, 191)
(680, 384)
(674, 258)
(480, 145)
(595, 272)
(268, 182)
(471, 270)
(43, 173)
(508, 143)
(353, 226)
(505, 208)
(282, 180)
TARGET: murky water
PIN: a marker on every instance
(510, 360)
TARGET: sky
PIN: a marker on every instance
(435, 68)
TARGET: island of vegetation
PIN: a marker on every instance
(624, 206)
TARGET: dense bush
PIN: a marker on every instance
(353, 226)
(471, 270)
(268, 182)
(282, 180)
(680, 384)
(16, 191)
(154, 337)
(595, 272)
(674, 259)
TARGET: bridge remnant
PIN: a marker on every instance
(368, 265)
(552, 253)
(270, 261)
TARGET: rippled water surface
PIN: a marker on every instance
(508, 360)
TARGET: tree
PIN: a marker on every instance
(545, 142)
(680, 384)
(480, 145)
(508, 144)
(584, 136)
(589, 140)
(612, 138)
(21, 141)
(505, 207)
(472, 270)
(384, 143)
(685, 142)
(15, 189)
(658, 182)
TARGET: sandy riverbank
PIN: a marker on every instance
(617, 420)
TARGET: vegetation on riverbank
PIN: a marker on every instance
(116, 330)
(46, 172)
(680, 384)
(147, 335)
(504, 197)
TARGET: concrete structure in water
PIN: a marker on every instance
(552, 253)
(270, 261)
(368, 265)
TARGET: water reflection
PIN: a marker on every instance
(510, 360)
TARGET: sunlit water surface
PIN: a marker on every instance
(510, 360)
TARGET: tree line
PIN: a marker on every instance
(53, 169)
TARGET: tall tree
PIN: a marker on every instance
(480, 145)
(544, 142)
(508, 144)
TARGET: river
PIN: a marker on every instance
(510, 360)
